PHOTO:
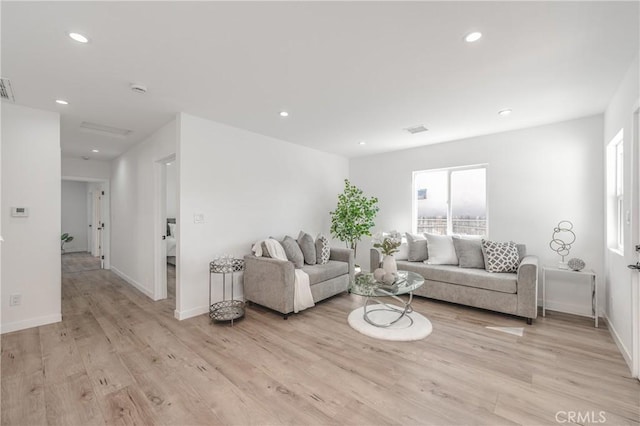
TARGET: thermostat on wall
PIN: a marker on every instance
(19, 211)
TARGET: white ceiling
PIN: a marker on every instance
(346, 71)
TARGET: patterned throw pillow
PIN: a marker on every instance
(322, 250)
(500, 257)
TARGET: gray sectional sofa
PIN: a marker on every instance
(510, 293)
(269, 282)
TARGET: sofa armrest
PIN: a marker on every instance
(374, 259)
(528, 287)
(344, 255)
(269, 282)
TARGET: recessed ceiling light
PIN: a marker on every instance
(474, 36)
(168, 164)
(95, 150)
(504, 112)
(362, 143)
(62, 102)
(79, 37)
(284, 114)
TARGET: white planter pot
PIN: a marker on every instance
(389, 264)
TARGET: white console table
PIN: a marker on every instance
(585, 273)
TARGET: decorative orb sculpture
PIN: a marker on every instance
(576, 264)
(562, 238)
(378, 274)
(388, 278)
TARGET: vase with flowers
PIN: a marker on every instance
(388, 244)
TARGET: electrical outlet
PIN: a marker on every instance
(15, 299)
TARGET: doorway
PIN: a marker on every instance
(83, 218)
(167, 232)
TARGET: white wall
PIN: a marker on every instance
(618, 116)
(132, 208)
(248, 187)
(74, 167)
(74, 215)
(536, 177)
(31, 251)
(172, 189)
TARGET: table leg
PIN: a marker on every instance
(544, 290)
(402, 311)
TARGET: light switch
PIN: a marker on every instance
(198, 218)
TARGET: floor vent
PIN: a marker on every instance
(416, 129)
(101, 129)
(6, 92)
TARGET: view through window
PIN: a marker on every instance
(451, 201)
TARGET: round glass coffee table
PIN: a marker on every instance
(365, 285)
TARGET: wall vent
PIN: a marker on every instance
(6, 92)
(100, 129)
(416, 129)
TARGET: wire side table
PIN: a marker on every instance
(225, 310)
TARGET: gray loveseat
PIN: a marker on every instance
(509, 293)
(269, 282)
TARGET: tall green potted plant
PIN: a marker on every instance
(353, 217)
(65, 238)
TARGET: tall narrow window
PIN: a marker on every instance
(615, 185)
(451, 201)
(620, 194)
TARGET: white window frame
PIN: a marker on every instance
(449, 170)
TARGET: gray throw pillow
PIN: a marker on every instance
(522, 250)
(323, 251)
(293, 252)
(308, 247)
(469, 252)
(417, 247)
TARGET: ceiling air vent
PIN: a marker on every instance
(416, 129)
(6, 92)
(100, 129)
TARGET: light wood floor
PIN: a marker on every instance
(79, 261)
(119, 358)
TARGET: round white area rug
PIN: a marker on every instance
(402, 331)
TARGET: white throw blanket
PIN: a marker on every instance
(302, 298)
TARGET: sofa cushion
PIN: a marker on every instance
(441, 250)
(469, 252)
(417, 247)
(320, 273)
(477, 278)
(308, 247)
(292, 249)
(500, 256)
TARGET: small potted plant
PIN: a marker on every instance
(66, 238)
(388, 244)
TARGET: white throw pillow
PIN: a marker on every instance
(441, 250)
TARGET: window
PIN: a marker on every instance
(451, 201)
(615, 173)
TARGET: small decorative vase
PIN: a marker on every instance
(389, 264)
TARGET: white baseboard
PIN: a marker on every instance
(30, 323)
(133, 282)
(190, 313)
(621, 347)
